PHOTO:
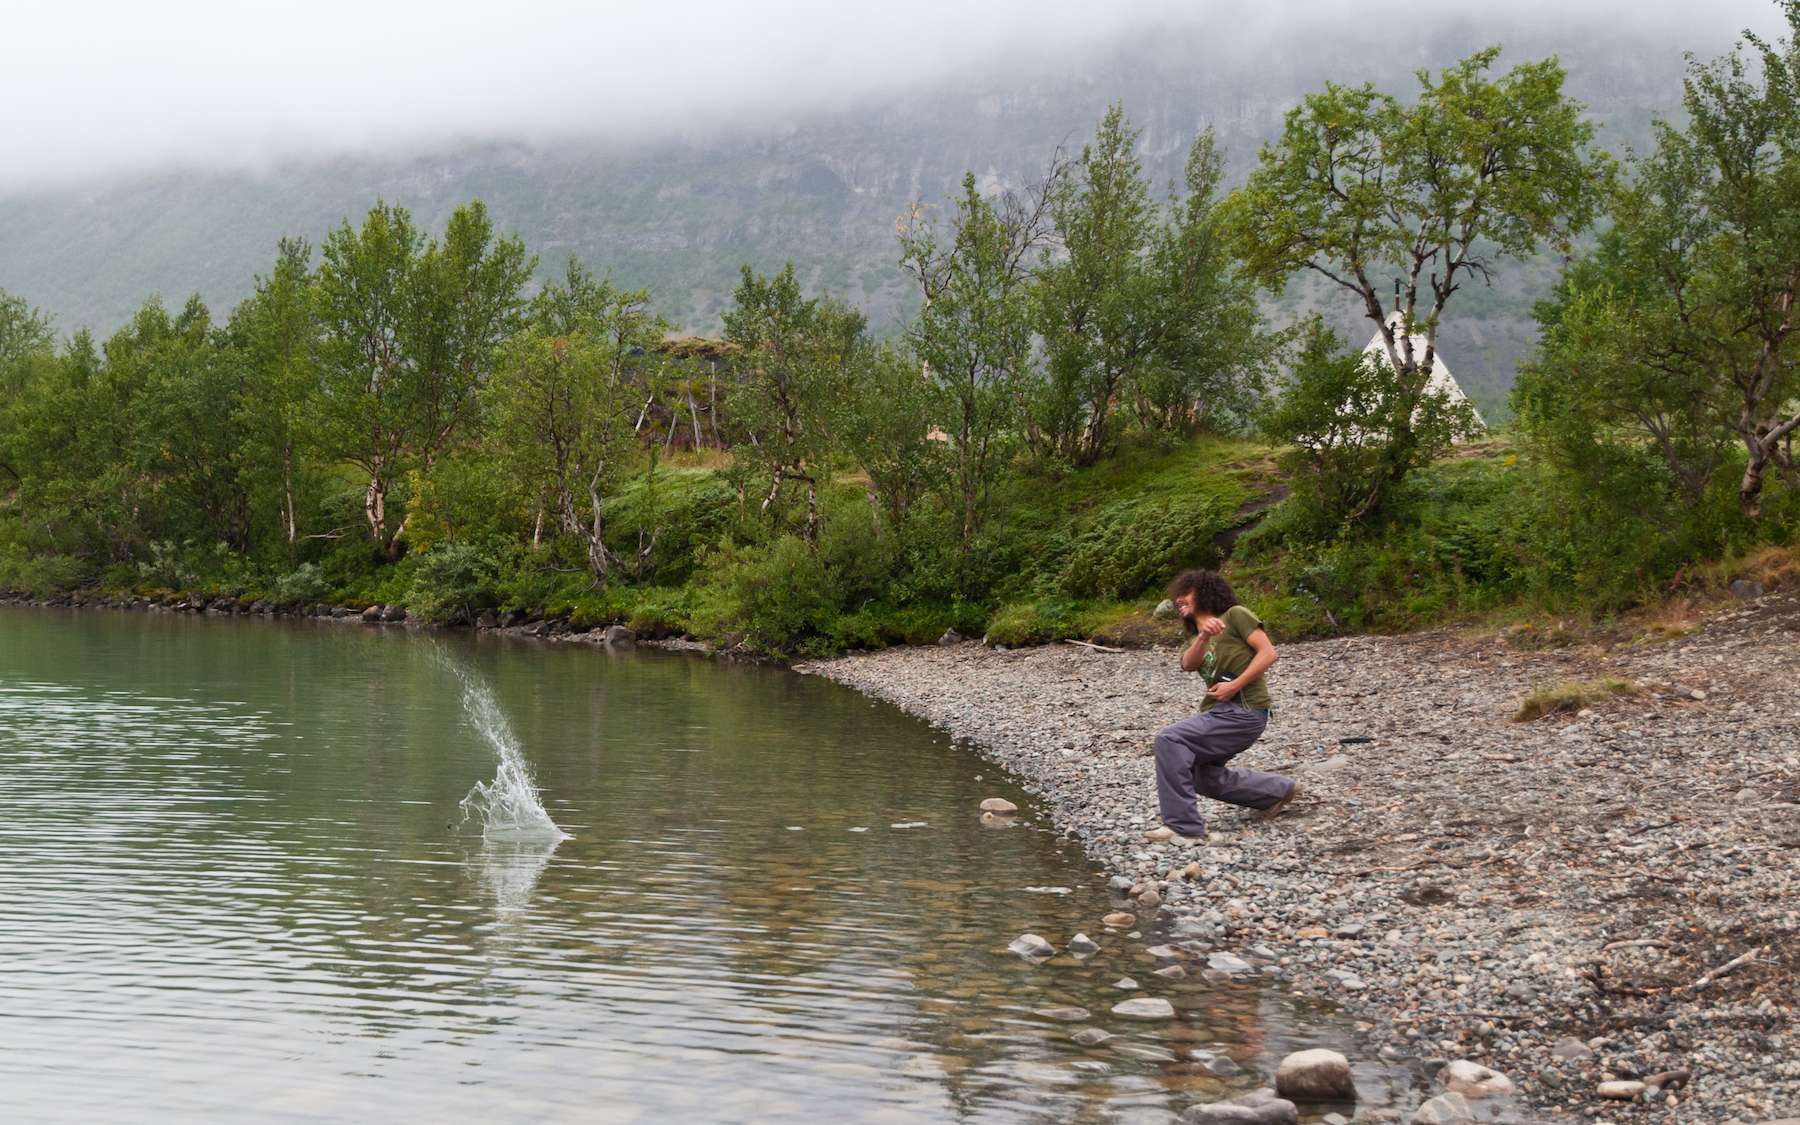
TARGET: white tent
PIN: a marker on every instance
(1441, 379)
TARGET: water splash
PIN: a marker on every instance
(508, 806)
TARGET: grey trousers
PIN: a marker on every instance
(1191, 755)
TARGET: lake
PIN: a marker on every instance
(237, 885)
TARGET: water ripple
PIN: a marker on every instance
(236, 888)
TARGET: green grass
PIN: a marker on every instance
(1571, 696)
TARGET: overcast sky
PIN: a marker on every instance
(93, 87)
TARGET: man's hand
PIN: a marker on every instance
(1222, 690)
(1212, 628)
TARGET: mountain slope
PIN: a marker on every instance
(681, 215)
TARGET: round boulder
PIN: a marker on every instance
(1145, 1008)
(1472, 1080)
(1260, 1107)
(999, 805)
(1445, 1109)
(1317, 1075)
(1032, 947)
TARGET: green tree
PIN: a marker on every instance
(24, 332)
(974, 332)
(1475, 171)
(1612, 395)
(1096, 304)
(562, 399)
(27, 345)
(276, 335)
(885, 427)
(1213, 353)
(1676, 334)
(411, 330)
(188, 426)
(792, 359)
(1334, 402)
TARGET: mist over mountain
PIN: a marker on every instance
(821, 180)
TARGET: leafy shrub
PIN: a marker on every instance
(776, 597)
(39, 575)
(1029, 623)
(1131, 545)
(166, 567)
(304, 584)
(467, 498)
(452, 584)
(685, 510)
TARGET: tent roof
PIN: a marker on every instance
(1441, 379)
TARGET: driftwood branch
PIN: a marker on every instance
(1729, 966)
(1092, 645)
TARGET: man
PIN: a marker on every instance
(1232, 653)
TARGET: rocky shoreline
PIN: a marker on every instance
(515, 624)
(1602, 906)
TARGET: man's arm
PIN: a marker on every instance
(1265, 656)
(1194, 656)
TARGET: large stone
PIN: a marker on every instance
(1082, 945)
(1445, 1109)
(1621, 1091)
(1091, 1036)
(999, 805)
(373, 613)
(1230, 964)
(1230, 1113)
(950, 637)
(618, 636)
(1145, 1008)
(1259, 1107)
(1472, 1080)
(1165, 610)
(1119, 919)
(1031, 946)
(1317, 1075)
(1745, 589)
(1066, 1015)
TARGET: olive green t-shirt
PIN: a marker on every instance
(1230, 653)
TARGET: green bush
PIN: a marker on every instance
(1132, 545)
(1030, 623)
(776, 598)
(684, 509)
(452, 584)
(304, 584)
(39, 575)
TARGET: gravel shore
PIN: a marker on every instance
(1607, 897)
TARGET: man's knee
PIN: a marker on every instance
(1167, 742)
(1209, 781)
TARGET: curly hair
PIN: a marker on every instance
(1212, 594)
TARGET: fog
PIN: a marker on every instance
(101, 87)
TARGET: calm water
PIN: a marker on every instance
(235, 887)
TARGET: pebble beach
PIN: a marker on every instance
(1601, 905)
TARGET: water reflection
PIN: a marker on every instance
(236, 888)
(509, 869)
